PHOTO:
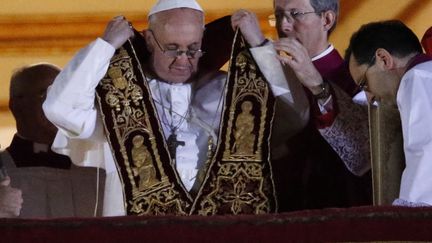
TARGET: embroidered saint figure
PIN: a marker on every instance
(143, 163)
(243, 133)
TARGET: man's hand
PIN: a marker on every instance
(118, 31)
(10, 200)
(294, 54)
(249, 26)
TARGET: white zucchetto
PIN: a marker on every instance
(163, 5)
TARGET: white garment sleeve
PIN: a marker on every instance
(415, 105)
(292, 108)
(70, 99)
(70, 106)
(271, 67)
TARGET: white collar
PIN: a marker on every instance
(172, 89)
(37, 147)
(154, 81)
(324, 53)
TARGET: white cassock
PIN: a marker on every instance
(194, 114)
(414, 102)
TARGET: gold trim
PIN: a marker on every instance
(238, 178)
(155, 195)
(240, 182)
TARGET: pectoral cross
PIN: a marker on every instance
(173, 143)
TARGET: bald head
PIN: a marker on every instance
(28, 88)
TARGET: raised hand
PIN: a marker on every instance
(118, 31)
(294, 54)
(248, 24)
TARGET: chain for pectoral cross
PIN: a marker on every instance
(173, 143)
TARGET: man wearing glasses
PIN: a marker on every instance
(317, 174)
(187, 116)
(386, 59)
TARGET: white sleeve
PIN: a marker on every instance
(271, 68)
(292, 108)
(70, 99)
(70, 105)
(415, 106)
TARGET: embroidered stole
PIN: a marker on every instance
(238, 178)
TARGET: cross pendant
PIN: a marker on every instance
(173, 143)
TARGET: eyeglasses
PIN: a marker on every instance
(290, 15)
(362, 85)
(177, 53)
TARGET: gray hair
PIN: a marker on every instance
(327, 5)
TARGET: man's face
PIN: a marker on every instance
(178, 29)
(377, 83)
(308, 29)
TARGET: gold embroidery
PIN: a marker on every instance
(152, 192)
(249, 91)
(238, 190)
(236, 180)
(243, 131)
(240, 181)
(143, 165)
(202, 172)
(116, 75)
(160, 201)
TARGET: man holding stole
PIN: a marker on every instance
(179, 116)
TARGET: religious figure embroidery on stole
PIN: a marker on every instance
(246, 139)
(143, 164)
(244, 131)
(239, 179)
(136, 148)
